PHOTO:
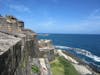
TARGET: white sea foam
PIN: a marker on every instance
(62, 47)
(88, 54)
(82, 52)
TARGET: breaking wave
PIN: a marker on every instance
(62, 47)
(82, 52)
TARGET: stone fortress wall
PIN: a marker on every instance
(18, 46)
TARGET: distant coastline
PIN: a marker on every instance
(68, 33)
(43, 34)
(93, 69)
(80, 41)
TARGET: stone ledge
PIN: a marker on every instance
(6, 41)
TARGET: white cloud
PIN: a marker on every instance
(95, 14)
(20, 8)
(47, 24)
(90, 25)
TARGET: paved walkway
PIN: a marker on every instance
(82, 69)
(67, 57)
(44, 67)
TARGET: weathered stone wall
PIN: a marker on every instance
(11, 24)
(46, 49)
(16, 59)
(29, 51)
(10, 60)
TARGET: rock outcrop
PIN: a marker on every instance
(18, 46)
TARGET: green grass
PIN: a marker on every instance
(35, 69)
(61, 66)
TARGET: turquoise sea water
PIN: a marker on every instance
(86, 47)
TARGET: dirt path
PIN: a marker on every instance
(83, 70)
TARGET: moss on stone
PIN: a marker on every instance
(35, 69)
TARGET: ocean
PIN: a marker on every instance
(84, 46)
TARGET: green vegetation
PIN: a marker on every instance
(23, 64)
(35, 69)
(61, 66)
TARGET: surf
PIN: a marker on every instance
(84, 52)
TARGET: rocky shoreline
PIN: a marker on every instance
(92, 69)
(82, 67)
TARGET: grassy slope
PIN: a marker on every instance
(60, 66)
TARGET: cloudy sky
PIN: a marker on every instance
(56, 16)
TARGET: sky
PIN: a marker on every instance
(56, 16)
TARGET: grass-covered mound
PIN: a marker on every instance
(61, 66)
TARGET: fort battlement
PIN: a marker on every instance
(11, 24)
